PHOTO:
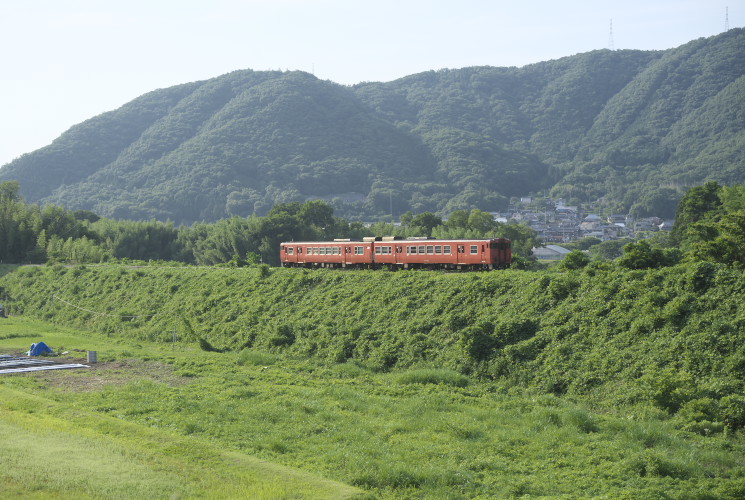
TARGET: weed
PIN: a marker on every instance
(433, 376)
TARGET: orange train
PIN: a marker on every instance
(397, 253)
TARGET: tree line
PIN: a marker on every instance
(30, 233)
(709, 226)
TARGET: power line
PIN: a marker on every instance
(60, 299)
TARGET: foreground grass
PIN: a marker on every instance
(158, 414)
(51, 449)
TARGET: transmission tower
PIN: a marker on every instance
(610, 37)
(726, 18)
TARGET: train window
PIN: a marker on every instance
(299, 249)
(421, 249)
(377, 250)
(474, 249)
(399, 249)
(438, 249)
(359, 250)
(335, 250)
(430, 249)
(411, 250)
(446, 249)
(290, 251)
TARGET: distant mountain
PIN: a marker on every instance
(630, 128)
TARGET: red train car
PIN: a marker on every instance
(397, 253)
(338, 253)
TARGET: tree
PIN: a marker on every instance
(576, 259)
(694, 206)
(426, 221)
(728, 244)
(482, 222)
(642, 255)
(458, 219)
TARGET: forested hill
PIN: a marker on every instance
(633, 128)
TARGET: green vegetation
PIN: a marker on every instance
(173, 414)
(604, 332)
(631, 128)
(31, 234)
(620, 378)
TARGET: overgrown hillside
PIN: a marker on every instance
(630, 127)
(671, 337)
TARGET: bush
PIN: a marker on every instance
(576, 259)
(256, 358)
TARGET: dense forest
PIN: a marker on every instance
(631, 130)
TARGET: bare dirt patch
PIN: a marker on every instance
(117, 373)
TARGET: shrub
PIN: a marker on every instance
(433, 376)
(576, 259)
(256, 358)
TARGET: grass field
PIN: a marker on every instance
(155, 420)
(53, 448)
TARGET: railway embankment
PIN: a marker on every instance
(669, 337)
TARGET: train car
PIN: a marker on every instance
(397, 253)
(337, 253)
(481, 254)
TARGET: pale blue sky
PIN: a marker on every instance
(67, 60)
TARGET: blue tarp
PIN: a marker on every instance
(38, 349)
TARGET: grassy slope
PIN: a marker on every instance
(672, 336)
(173, 414)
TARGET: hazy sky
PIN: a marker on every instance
(65, 61)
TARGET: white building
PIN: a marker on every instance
(550, 252)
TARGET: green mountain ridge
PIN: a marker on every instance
(631, 128)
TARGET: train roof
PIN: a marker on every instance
(399, 241)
